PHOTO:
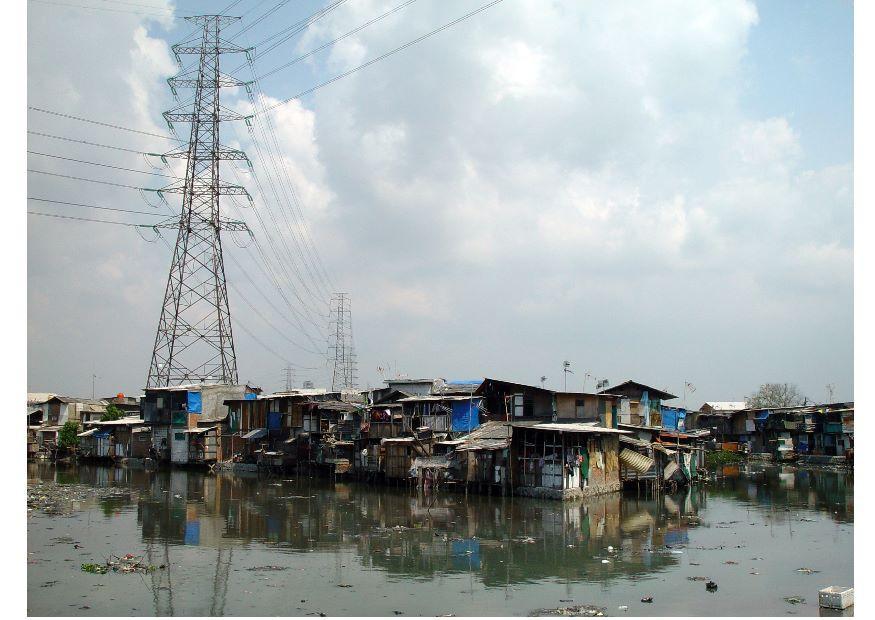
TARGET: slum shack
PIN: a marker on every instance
(564, 460)
(400, 452)
(638, 463)
(506, 400)
(171, 411)
(601, 409)
(115, 439)
(644, 402)
(483, 456)
(441, 413)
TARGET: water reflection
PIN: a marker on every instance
(503, 539)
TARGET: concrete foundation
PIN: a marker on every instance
(569, 494)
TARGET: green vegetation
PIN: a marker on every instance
(112, 413)
(94, 568)
(722, 457)
(67, 435)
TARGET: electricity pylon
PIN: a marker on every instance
(345, 375)
(194, 341)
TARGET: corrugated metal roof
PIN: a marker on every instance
(577, 427)
(483, 444)
(415, 399)
(636, 460)
(726, 405)
(634, 441)
(257, 433)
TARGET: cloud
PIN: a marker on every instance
(543, 181)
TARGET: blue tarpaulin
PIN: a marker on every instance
(250, 396)
(194, 402)
(193, 531)
(273, 419)
(762, 415)
(466, 415)
(673, 418)
(466, 554)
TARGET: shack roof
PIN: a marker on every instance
(38, 398)
(197, 387)
(716, 406)
(119, 422)
(433, 398)
(634, 385)
(488, 382)
(573, 427)
(633, 441)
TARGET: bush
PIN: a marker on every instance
(67, 435)
(112, 413)
(722, 457)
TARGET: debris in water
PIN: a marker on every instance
(589, 611)
(807, 571)
(711, 586)
(94, 568)
(794, 600)
(697, 578)
(647, 599)
(267, 568)
(730, 562)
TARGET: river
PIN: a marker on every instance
(300, 545)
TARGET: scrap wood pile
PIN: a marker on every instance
(128, 563)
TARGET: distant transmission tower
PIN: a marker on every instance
(345, 374)
(290, 378)
(194, 340)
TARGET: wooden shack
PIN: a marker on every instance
(564, 460)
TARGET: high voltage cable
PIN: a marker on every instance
(94, 163)
(68, 176)
(86, 142)
(246, 301)
(340, 38)
(280, 178)
(79, 204)
(87, 219)
(279, 204)
(383, 56)
(103, 8)
(88, 120)
(290, 31)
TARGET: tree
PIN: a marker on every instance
(776, 395)
(67, 436)
(112, 413)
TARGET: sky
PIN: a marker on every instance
(651, 190)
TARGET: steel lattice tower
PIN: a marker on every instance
(345, 375)
(194, 341)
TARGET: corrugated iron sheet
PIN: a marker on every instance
(636, 460)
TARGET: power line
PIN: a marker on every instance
(383, 56)
(88, 120)
(87, 219)
(338, 39)
(86, 142)
(79, 204)
(103, 8)
(68, 176)
(94, 163)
